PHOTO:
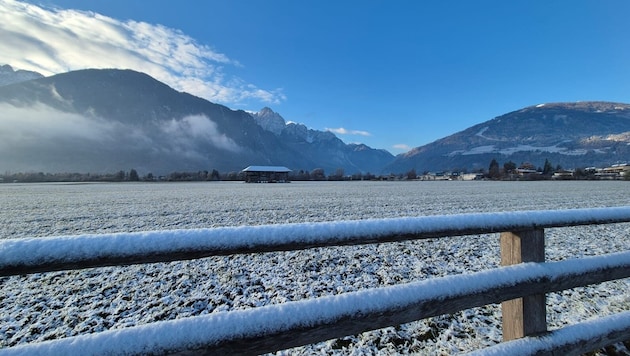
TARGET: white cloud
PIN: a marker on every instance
(343, 131)
(40, 123)
(40, 126)
(52, 41)
(184, 131)
(402, 146)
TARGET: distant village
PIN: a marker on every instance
(614, 172)
(274, 174)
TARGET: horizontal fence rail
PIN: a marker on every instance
(570, 340)
(47, 254)
(276, 327)
(520, 284)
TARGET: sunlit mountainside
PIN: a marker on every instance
(572, 135)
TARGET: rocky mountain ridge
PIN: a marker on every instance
(9, 76)
(350, 157)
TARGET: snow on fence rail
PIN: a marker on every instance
(46, 254)
(276, 327)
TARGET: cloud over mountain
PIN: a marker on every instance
(184, 132)
(402, 146)
(23, 126)
(38, 128)
(51, 41)
(105, 120)
(344, 131)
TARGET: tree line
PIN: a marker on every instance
(508, 171)
(317, 174)
(28, 177)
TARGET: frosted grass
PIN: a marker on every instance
(29, 210)
(54, 305)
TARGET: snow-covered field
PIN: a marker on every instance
(60, 304)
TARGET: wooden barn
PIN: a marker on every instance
(266, 174)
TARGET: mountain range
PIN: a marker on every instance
(108, 120)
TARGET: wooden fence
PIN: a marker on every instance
(520, 284)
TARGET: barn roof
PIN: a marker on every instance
(266, 169)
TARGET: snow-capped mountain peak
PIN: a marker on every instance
(270, 120)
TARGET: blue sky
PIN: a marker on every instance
(391, 74)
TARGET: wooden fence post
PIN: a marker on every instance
(523, 316)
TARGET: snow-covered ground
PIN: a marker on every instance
(60, 304)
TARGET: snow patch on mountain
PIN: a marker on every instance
(480, 133)
(622, 137)
(522, 148)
